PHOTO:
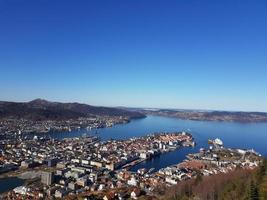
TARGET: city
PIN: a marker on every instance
(133, 100)
(14, 127)
(89, 168)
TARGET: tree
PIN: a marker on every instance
(263, 188)
(198, 178)
(254, 195)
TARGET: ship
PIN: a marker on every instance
(217, 142)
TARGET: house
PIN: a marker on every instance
(171, 180)
(109, 196)
(135, 193)
(110, 166)
(83, 181)
(132, 181)
(72, 186)
(122, 196)
(60, 193)
(96, 163)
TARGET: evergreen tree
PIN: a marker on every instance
(198, 178)
(254, 195)
(263, 188)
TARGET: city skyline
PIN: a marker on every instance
(184, 55)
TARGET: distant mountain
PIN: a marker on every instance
(40, 109)
(210, 115)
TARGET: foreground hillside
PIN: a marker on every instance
(45, 110)
(237, 185)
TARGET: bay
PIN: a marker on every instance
(233, 134)
(7, 184)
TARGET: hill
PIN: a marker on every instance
(40, 109)
(211, 115)
(239, 185)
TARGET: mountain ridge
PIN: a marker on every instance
(230, 116)
(40, 109)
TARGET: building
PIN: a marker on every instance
(52, 162)
(47, 178)
(132, 181)
(72, 186)
(135, 193)
(60, 193)
(83, 181)
(96, 163)
(110, 166)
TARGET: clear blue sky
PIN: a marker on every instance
(145, 53)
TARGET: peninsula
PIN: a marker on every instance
(243, 117)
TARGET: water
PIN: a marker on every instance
(236, 135)
(233, 134)
(7, 184)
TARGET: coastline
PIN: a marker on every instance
(208, 120)
(199, 133)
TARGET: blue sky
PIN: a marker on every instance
(142, 53)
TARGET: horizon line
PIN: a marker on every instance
(139, 107)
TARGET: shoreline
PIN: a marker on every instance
(138, 161)
(209, 120)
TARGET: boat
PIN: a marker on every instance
(217, 142)
(210, 141)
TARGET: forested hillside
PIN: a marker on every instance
(237, 185)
